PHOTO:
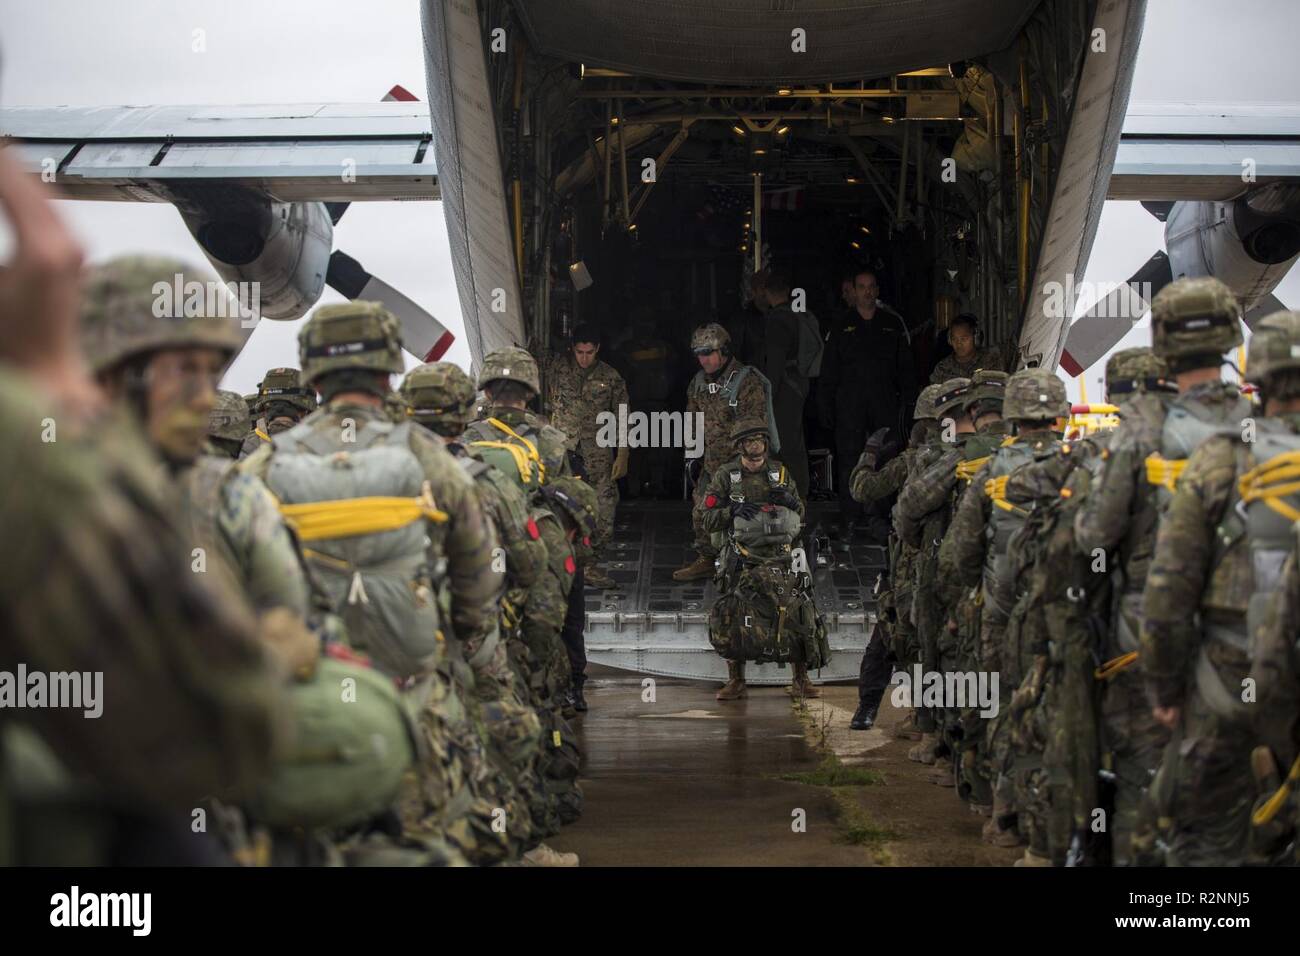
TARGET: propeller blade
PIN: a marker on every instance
(422, 334)
(1111, 317)
(1264, 307)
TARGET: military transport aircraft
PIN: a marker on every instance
(595, 159)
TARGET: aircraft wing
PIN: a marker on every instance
(292, 153)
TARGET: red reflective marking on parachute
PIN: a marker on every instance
(586, 541)
(711, 501)
(532, 529)
(570, 565)
(346, 654)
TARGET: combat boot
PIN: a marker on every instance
(543, 855)
(863, 718)
(579, 702)
(995, 833)
(924, 751)
(800, 685)
(942, 774)
(906, 729)
(1032, 859)
(597, 578)
(701, 567)
(734, 688)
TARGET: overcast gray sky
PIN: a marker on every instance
(92, 52)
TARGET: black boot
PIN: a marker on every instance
(863, 718)
(579, 702)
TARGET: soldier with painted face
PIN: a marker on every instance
(441, 397)
(753, 504)
(975, 553)
(580, 388)
(872, 484)
(724, 391)
(392, 528)
(235, 535)
(98, 578)
(282, 402)
(1219, 550)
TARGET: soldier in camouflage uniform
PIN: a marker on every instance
(381, 510)
(971, 426)
(441, 397)
(724, 391)
(282, 402)
(1218, 551)
(1061, 615)
(228, 424)
(99, 579)
(565, 516)
(1275, 650)
(870, 483)
(974, 553)
(740, 488)
(579, 388)
(1117, 521)
(231, 522)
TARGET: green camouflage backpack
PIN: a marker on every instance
(354, 742)
(361, 517)
(769, 615)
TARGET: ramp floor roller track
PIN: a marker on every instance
(655, 625)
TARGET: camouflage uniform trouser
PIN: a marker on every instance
(1204, 789)
(514, 732)
(600, 466)
(541, 659)
(453, 793)
(702, 542)
(931, 619)
(966, 728)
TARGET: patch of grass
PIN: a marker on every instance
(831, 773)
(858, 829)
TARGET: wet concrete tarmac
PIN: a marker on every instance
(685, 780)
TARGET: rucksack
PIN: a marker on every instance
(361, 515)
(512, 454)
(769, 615)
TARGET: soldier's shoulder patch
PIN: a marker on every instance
(735, 477)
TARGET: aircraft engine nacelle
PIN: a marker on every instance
(283, 247)
(1249, 243)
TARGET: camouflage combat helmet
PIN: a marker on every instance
(952, 396)
(925, 401)
(1134, 370)
(134, 305)
(1035, 394)
(746, 427)
(987, 387)
(512, 364)
(284, 385)
(710, 338)
(1191, 317)
(439, 392)
(349, 335)
(576, 498)
(1274, 347)
(229, 416)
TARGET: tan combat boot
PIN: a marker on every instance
(906, 728)
(543, 855)
(924, 751)
(800, 685)
(993, 832)
(942, 773)
(1032, 859)
(701, 567)
(734, 688)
